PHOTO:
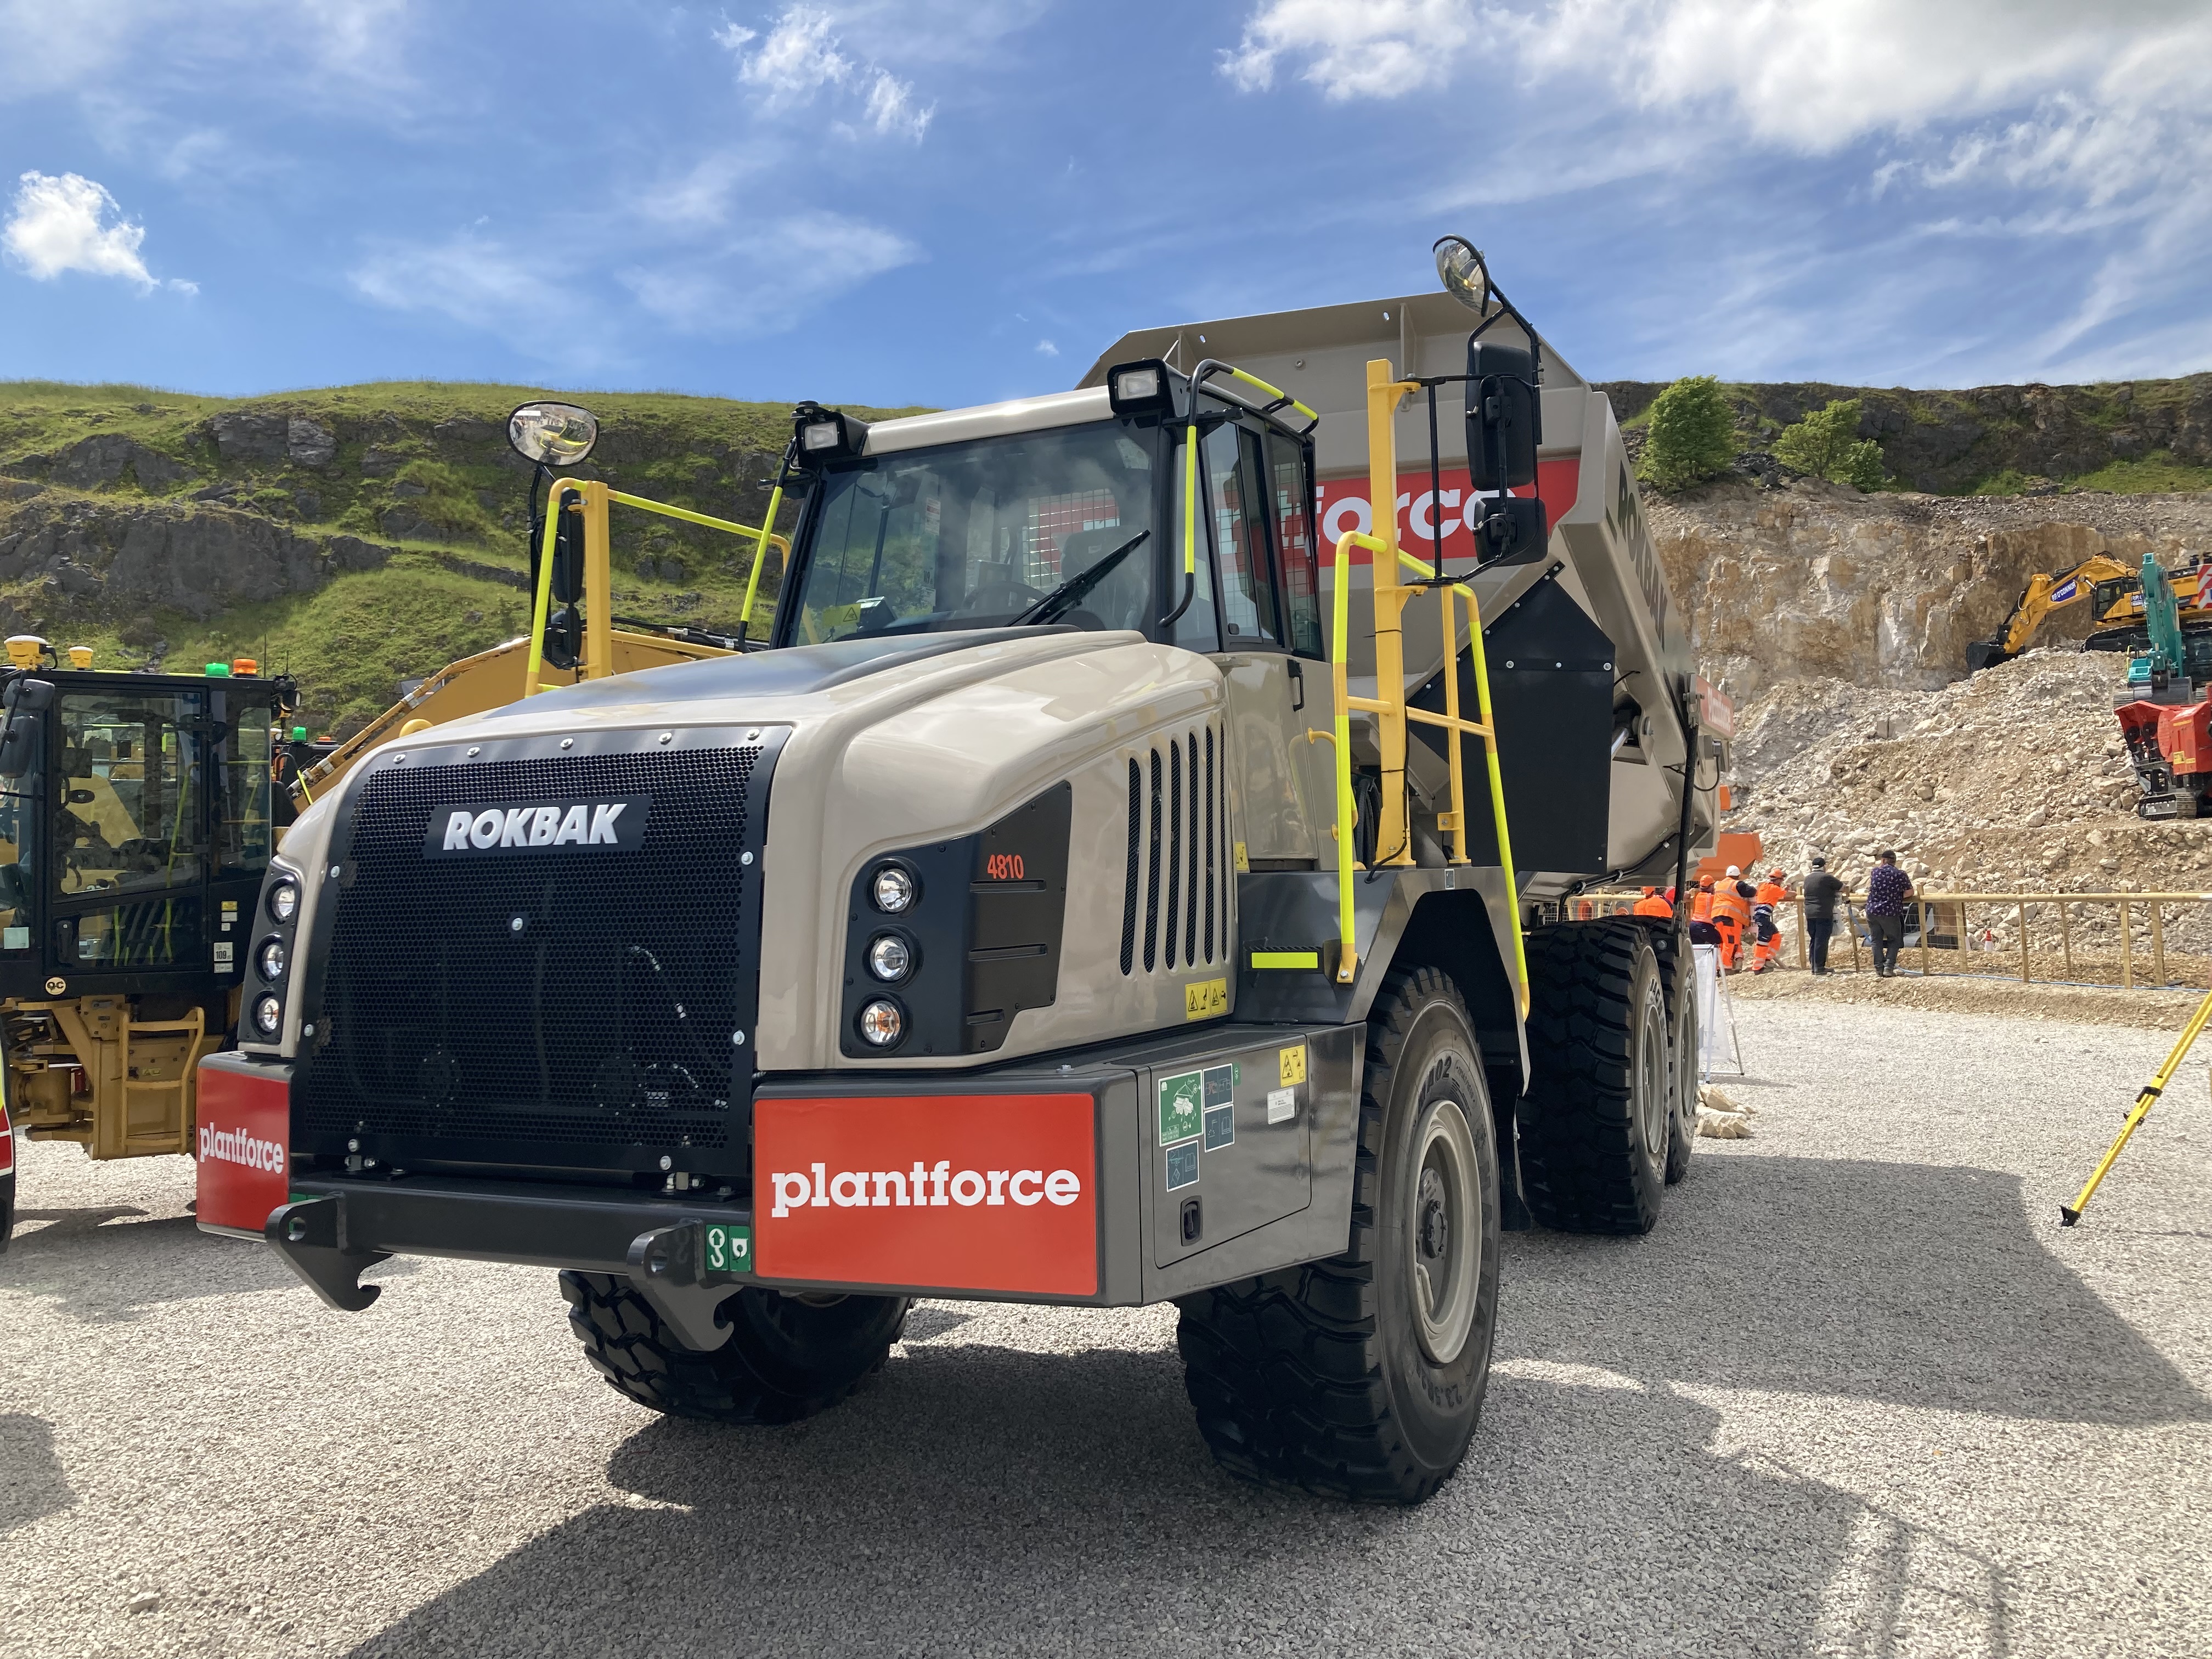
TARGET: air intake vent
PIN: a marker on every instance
(1178, 830)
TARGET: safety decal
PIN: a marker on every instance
(729, 1249)
(1205, 999)
(1182, 1165)
(1290, 1065)
(1220, 1108)
(1282, 1105)
(1182, 1106)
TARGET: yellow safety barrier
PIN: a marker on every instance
(1392, 713)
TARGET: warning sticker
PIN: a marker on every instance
(1182, 1165)
(1221, 1086)
(1220, 1128)
(729, 1249)
(1205, 999)
(1182, 1108)
(1292, 1064)
(1282, 1105)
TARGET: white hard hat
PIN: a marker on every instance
(1734, 871)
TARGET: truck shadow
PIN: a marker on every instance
(981, 1498)
(1918, 1284)
(106, 1263)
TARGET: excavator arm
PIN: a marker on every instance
(2043, 595)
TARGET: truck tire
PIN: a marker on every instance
(1600, 1110)
(787, 1357)
(1678, 968)
(1362, 1377)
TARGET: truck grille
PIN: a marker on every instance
(563, 1006)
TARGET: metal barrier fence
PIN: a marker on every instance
(1947, 943)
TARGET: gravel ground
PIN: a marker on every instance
(1858, 1394)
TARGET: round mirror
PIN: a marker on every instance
(1460, 267)
(559, 434)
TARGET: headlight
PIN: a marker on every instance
(882, 1023)
(889, 957)
(894, 890)
(269, 960)
(268, 1016)
(284, 901)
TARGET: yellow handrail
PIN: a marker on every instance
(599, 626)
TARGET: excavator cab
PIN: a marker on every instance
(138, 815)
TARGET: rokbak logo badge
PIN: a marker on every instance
(459, 829)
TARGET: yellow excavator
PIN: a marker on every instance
(138, 814)
(2114, 592)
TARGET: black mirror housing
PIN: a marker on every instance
(20, 748)
(1504, 416)
(1511, 531)
(33, 696)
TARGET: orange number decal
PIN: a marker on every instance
(1003, 866)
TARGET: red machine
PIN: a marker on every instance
(2171, 749)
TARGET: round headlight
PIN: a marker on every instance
(284, 901)
(268, 1016)
(893, 890)
(889, 957)
(269, 960)
(882, 1023)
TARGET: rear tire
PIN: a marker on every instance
(786, 1358)
(1601, 1107)
(1362, 1377)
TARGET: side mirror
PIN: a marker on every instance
(25, 741)
(30, 696)
(1511, 531)
(1504, 416)
(552, 434)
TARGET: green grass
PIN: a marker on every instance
(2155, 473)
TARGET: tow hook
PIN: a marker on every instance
(668, 1266)
(310, 1234)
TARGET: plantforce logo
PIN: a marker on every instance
(930, 1187)
(237, 1146)
(459, 829)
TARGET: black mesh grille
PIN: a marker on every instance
(1153, 874)
(1174, 848)
(599, 1026)
(1210, 826)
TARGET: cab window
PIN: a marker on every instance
(244, 833)
(1238, 495)
(127, 809)
(1291, 494)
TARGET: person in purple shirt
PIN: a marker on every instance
(1887, 889)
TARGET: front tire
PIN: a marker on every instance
(787, 1357)
(1601, 1106)
(1362, 1377)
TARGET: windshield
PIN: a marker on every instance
(973, 535)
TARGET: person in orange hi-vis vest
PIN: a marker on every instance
(1731, 896)
(1769, 893)
(1701, 906)
(1651, 904)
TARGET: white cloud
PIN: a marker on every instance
(801, 59)
(1353, 48)
(748, 288)
(798, 59)
(474, 280)
(61, 224)
(891, 111)
(1047, 348)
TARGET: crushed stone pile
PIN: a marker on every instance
(2014, 780)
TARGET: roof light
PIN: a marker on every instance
(1138, 388)
(827, 433)
(822, 434)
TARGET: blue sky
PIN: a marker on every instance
(944, 202)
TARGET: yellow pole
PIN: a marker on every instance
(541, 606)
(1347, 958)
(2127, 947)
(598, 585)
(2070, 1214)
(1392, 839)
(760, 558)
(1452, 731)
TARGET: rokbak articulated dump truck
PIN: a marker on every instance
(1110, 888)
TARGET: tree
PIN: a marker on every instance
(1826, 444)
(1691, 434)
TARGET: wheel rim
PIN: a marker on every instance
(1443, 1244)
(1653, 1102)
(1686, 1058)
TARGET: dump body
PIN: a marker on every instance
(1612, 662)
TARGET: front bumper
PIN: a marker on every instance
(1058, 1182)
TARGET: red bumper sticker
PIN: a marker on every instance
(967, 1192)
(7, 1141)
(244, 1123)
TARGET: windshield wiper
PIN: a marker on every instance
(1076, 587)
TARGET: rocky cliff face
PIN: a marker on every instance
(1811, 580)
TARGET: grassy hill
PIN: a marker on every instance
(353, 536)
